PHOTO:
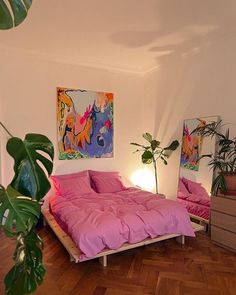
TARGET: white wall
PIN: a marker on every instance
(28, 88)
(191, 83)
(196, 79)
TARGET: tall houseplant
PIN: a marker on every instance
(20, 207)
(152, 152)
(223, 162)
(20, 202)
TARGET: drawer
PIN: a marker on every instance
(224, 205)
(223, 220)
(223, 237)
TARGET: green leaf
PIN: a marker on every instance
(17, 213)
(13, 17)
(6, 21)
(154, 144)
(30, 179)
(27, 3)
(173, 146)
(28, 271)
(218, 183)
(164, 160)
(19, 11)
(147, 157)
(147, 136)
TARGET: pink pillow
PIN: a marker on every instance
(73, 184)
(182, 188)
(111, 184)
(107, 174)
(199, 200)
(195, 188)
(103, 173)
(70, 175)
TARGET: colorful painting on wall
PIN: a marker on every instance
(191, 144)
(85, 124)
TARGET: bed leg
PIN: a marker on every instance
(205, 225)
(181, 240)
(103, 260)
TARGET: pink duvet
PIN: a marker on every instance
(99, 221)
(196, 205)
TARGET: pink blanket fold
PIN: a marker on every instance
(195, 199)
(99, 221)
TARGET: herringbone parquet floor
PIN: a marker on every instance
(165, 268)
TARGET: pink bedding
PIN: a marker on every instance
(98, 221)
(194, 197)
(196, 206)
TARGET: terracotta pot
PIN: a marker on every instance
(230, 180)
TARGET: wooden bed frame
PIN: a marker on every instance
(202, 221)
(75, 253)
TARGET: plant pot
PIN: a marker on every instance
(230, 180)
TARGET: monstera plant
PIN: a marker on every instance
(20, 202)
(13, 12)
(153, 151)
(20, 206)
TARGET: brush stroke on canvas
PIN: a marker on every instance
(191, 144)
(85, 123)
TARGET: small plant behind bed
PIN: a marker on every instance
(20, 208)
(152, 152)
(224, 160)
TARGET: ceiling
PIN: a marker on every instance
(127, 35)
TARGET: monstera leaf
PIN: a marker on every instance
(28, 271)
(30, 178)
(17, 213)
(14, 13)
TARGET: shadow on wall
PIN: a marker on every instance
(189, 48)
(181, 25)
(194, 53)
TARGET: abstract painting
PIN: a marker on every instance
(84, 124)
(191, 144)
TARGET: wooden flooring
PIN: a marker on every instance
(164, 268)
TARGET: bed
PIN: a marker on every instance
(94, 215)
(195, 199)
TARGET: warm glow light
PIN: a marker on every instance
(144, 178)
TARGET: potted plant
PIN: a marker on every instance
(224, 160)
(20, 202)
(152, 152)
(20, 208)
